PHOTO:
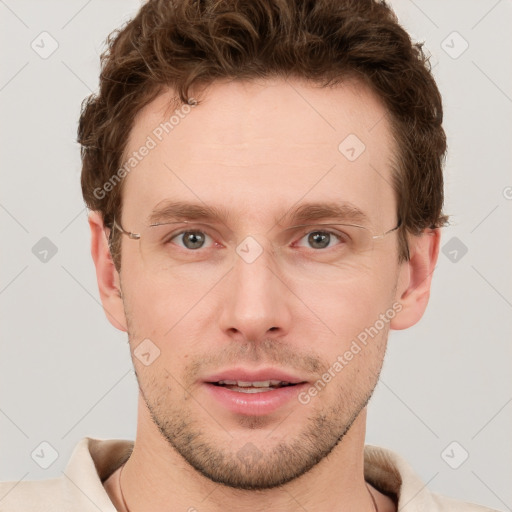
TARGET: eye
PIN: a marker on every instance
(192, 239)
(321, 239)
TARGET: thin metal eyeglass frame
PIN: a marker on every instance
(137, 236)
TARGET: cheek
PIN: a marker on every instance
(172, 318)
(352, 333)
(346, 308)
(157, 314)
(152, 307)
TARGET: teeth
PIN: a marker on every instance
(255, 384)
(242, 384)
(252, 390)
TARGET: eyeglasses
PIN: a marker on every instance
(306, 251)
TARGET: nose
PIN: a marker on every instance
(257, 300)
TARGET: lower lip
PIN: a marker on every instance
(254, 404)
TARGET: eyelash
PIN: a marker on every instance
(338, 236)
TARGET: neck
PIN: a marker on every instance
(156, 477)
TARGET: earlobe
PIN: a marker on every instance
(413, 290)
(106, 273)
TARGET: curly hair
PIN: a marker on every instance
(178, 43)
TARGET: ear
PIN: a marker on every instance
(106, 273)
(415, 277)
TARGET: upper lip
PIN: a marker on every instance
(248, 375)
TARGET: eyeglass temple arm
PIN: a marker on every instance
(377, 237)
(133, 236)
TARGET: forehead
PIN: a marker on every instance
(261, 146)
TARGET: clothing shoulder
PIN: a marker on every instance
(79, 488)
(392, 475)
(444, 504)
(31, 496)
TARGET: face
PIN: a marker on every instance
(237, 306)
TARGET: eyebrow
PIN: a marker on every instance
(323, 211)
(169, 211)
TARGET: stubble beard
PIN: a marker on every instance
(257, 465)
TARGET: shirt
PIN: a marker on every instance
(80, 487)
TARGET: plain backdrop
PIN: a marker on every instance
(65, 372)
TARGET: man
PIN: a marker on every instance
(265, 186)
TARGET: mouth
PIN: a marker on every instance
(261, 386)
(254, 393)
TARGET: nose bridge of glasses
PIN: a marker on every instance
(255, 245)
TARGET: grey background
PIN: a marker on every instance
(66, 373)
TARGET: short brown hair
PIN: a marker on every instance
(178, 43)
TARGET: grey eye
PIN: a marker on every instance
(191, 239)
(319, 239)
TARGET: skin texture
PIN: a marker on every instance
(258, 148)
